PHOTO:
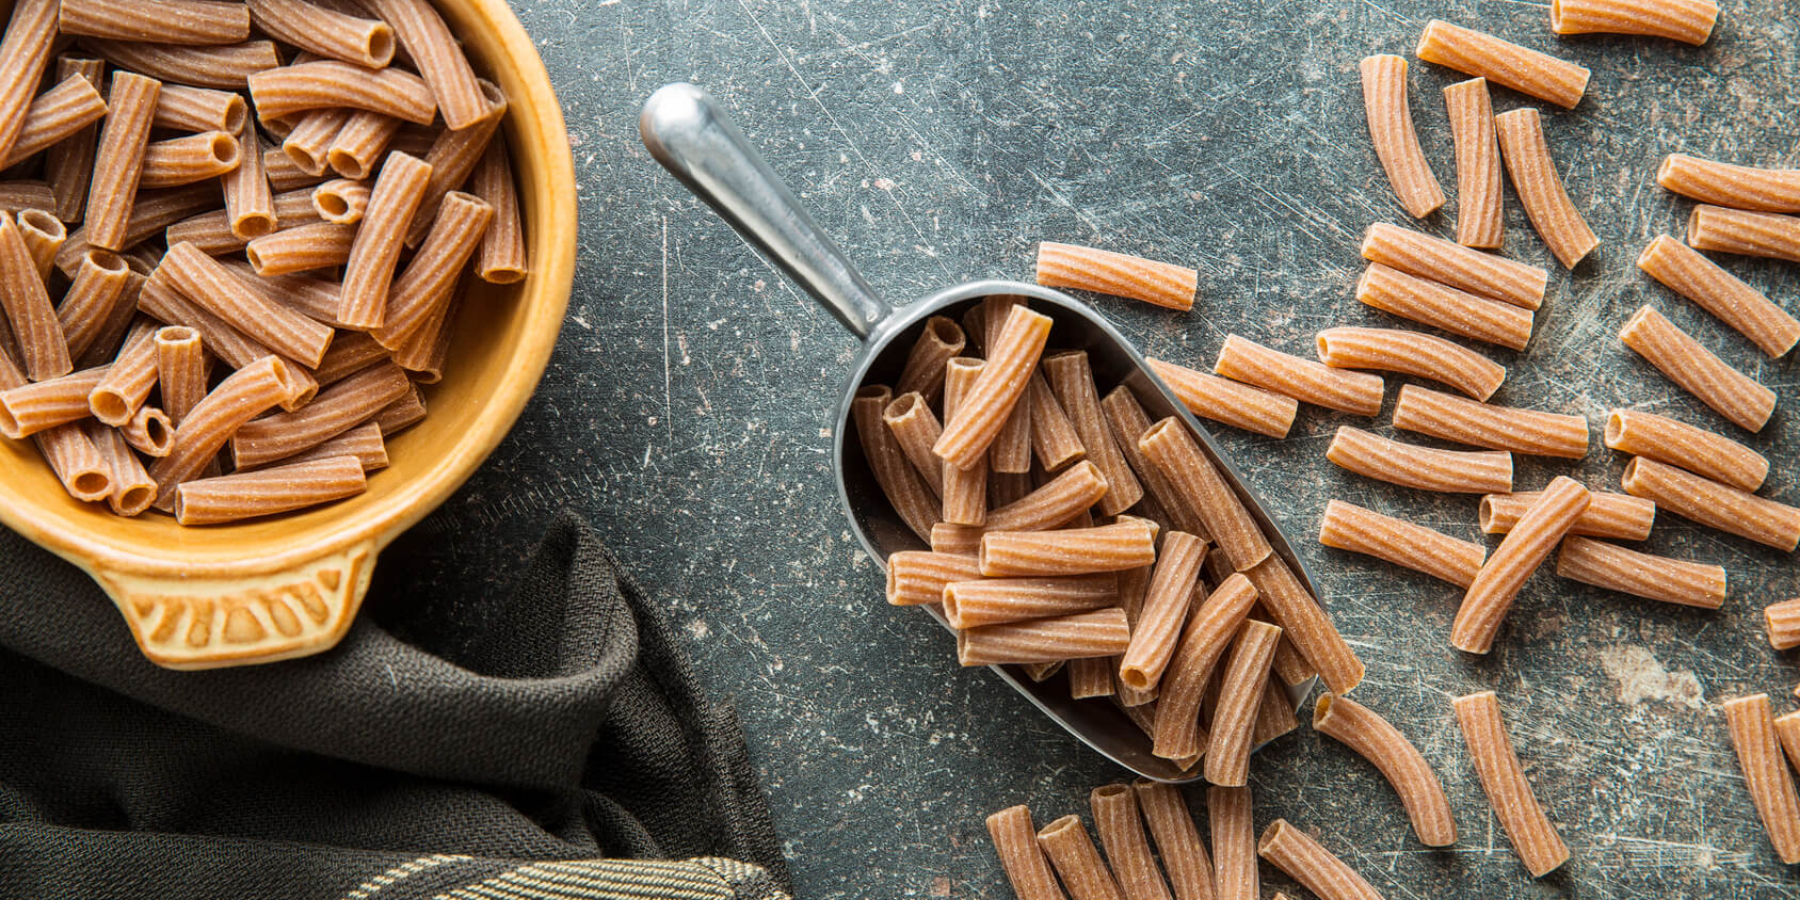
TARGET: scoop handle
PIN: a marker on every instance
(695, 140)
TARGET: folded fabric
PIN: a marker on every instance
(549, 743)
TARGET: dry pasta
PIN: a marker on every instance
(183, 108)
(1766, 775)
(149, 432)
(1731, 186)
(1374, 739)
(438, 56)
(210, 285)
(217, 232)
(1616, 516)
(1347, 526)
(1165, 607)
(163, 302)
(325, 31)
(76, 461)
(1240, 692)
(1128, 422)
(1058, 502)
(401, 414)
(1744, 233)
(1783, 623)
(131, 490)
(1540, 188)
(905, 491)
(1411, 353)
(1067, 845)
(1413, 466)
(918, 577)
(43, 236)
(360, 143)
(69, 169)
(1072, 380)
(249, 200)
(1170, 448)
(265, 492)
(302, 248)
(1396, 140)
(335, 410)
(1099, 633)
(1504, 63)
(91, 299)
(1458, 312)
(1711, 380)
(1244, 360)
(239, 398)
(502, 259)
(180, 370)
(1697, 450)
(1480, 213)
(227, 67)
(1478, 424)
(1304, 622)
(283, 173)
(1121, 830)
(287, 90)
(130, 105)
(341, 200)
(1301, 857)
(54, 116)
(128, 380)
(24, 55)
(1223, 400)
(993, 601)
(1233, 842)
(1068, 551)
(1010, 362)
(1490, 596)
(1184, 857)
(42, 347)
(1436, 259)
(1641, 574)
(310, 141)
(30, 408)
(1053, 437)
(1721, 293)
(916, 429)
(364, 443)
(964, 490)
(923, 373)
(152, 212)
(1015, 842)
(1533, 838)
(453, 157)
(1714, 505)
(199, 22)
(17, 196)
(1121, 275)
(1688, 21)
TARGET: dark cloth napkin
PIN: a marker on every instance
(550, 743)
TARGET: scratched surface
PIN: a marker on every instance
(686, 410)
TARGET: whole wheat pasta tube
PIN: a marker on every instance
(1540, 188)
(1170, 447)
(1069, 551)
(911, 499)
(1241, 359)
(180, 370)
(1712, 504)
(325, 31)
(226, 67)
(1015, 842)
(324, 83)
(24, 54)
(453, 158)
(1072, 380)
(1766, 775)
(994, 601)
(250, 210)
(1490, 596)
(1697, 450)
(1183, 686)
(337, 409)
(1711, 380)
(360, 144)
(1121, 275)
(77, 463)
(1744, 233)
(149, 432)
(1503, 62)
(1347, 526)
(209, 284)
(923, 373)
(44, 236)
(1409, 465)
(1374, 739)
(55, 115)
(1783, 623)
(1478, 424)
(1053, 437)
(916, 429)
(1458, 312)
(1222, 400)
(1184, 856)
(1165, 609)
(1688, 21)
(1616, 516)
(1436, 259)
(30, 408)
(1304, 622)
(1641, 574)
(964, 490)
(265, 492)
(1301, 857)
(216, 233)
(439, 58)
(42, 348)
(401, 414)
(183, 108)
(1480, 213)
(284, 174)
(111, 333)
(236, 349)
(1233, 843)
(17, 196)
(1009, 366)
(1411, 353)
(69, 169)
(1056, 503)
(1067, 845)
(1121, 831)
(1128, 422)
(239, 398)
(1396, 141)
(185, 160)
(1240, 692)
(193, 22)
(129, 380)
(1787, 729)
(502, 259)
(1719, 292)
(1099, 633)
(89, 303)
(310, 140)
(132, 491)
(131, 105)
(341, 201)
(1011, 450)
(918, 577)
(364, 442)
(303, 248)
(1535, 840)
(370, 270)
(1731, 186)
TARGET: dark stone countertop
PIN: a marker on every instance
(686, 410)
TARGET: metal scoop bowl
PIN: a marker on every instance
(692, 137)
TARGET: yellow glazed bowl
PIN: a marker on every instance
(290, 585)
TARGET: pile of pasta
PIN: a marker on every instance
(279, 205)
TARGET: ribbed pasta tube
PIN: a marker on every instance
(91, 300)
(1413, 466)
(180, 370)
(1478, 424)
(1480, 212)
(916, 429)
(918, 577)
(1688, 21)
(964, 490)
(1009, 366)
(1719, 292)
(265, 492)
(1697, 370)
(1072, 380)
(360, 143)
(369, 272)
(1350, 527)
(1396, 141)
(70, 168)
(1128, 422)
(1223, 400)
(217, 233)
(310, 141)
(1015, 842)
(1183, 687)
(1490, 595)
(1170, 448)
(1411, 353)
(1184, 857)
(194, 22)
(438, 56)
(149, 432)
(130, 106)
(227, 67)
(1374, 739)
(288, 90)
(1697, 450)
(502, 259)
(207, 283)
(1305, 861)
(341, 200)
(42, 347)
(185, 160)
(1744, 233)
(132, 491)
(364, 443)
(30, 408)
(1540, 188)
(1068, 551)
(325, 31)
(1233, 828)
(54, 115)
(1616, 568)
(1766, 774)
(1118, 274)
(453, 157)
(1782, 621)
(1053, 437)
(183, 108)
(1458, 312)
(44, 235)
(236, 349)
(1244, 360)
(302, 248)
(403, 413)
(1121, 831)
(994, 601)
(1099, 633)
(422, 294)
(1731, 186)
(239, 398)
(1533, 838)
(1616, 516)
(1712, 504)
(335, 410)
(1304, 623)
(284, 174)
(24, 55)
(905, 490)
(1240, 692)
(116, 397)
(1503, 62)
(24, 194)
(1055, 503)
(1436, 259)
(1165, 608)
(77, 463)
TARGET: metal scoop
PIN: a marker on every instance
(693, 138)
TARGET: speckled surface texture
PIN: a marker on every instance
(686, 410)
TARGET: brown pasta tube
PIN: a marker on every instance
(1177, 839)
(916, 429)
(1183, 686)
(1072, 380)
(1240, 692)
(1099, 633)
(439, 58)
(1712, 504)
(1121, 832)
(1347, 526)
(337, 409)
(310, 140)
(325, 31)
(70, 168)
(1744, 233)
(1165, 608)
(1011, 451)
(360, 143)
(1053, 436)
(312, 296)
(42, 347)
(131, 490)
(1783, 623)
(1374, 739)
(1010, 362)
(1056, 503)
(341, 201)
(149, 432)
(288, 90)
(302, 248)
(183, 108)
(1409, 465)
(265, 492)
(209, 284)
(1616, 516)
(1067, 845)
(129, 380)
(284, 174)
(370, 269)
(1697, 450)
(131, 105)
(1170, 447)
(1301, 857)
(1244, 360)
(364, 442)
(994, 601)
(1458, 312)
(1275, 714)
(1121, 275)
(1540, 188)
(77, 463)
(1535, 840)
(194, 22)
(1697, 370)
(1069, 551)
(910, 497)
(43, 235)
(1288, 665)
(250, 209)
(215, 233)
(1766, 775)
(1411, 353)
(227, 67)
(1615, 568)
(1015, 842)
(236, 349)
(917, 577)
(1134, 584)
(180, 370)
(1436, 259)
(1688, 21)
(1480, 424)
(1490, 596)
(1504, 63)
(1304, 622)
(1787, 729)
(110, 334)
(239, 398)
(1222, 400)
(185, 160)
(401, 414)
(54, 116)
(1396, 140)
(24, 54)
(30, 408)
(453, 157)
(1480, 213)
(1128, 422)
(923, 373)
(18, 196)
(964, 490)
(1731, 186)
(1717, 291)
(88, 305)
(1233, 843)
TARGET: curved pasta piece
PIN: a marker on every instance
(1184, 857)
(1304, 624)
(1409, 465)
(1072, 852)
(1480, 212)
(1713, 504)
(1396, 141)
(1540, 189)
(1503, 62)
(1687, 21)
(1015, 842)
(1374, 739)
(1458, 312)
(1617, 516)
(1721, 293)
(285, 91)
(1241, 359)
(1119, 274)
(197, 22)
(1121, 832)
(1170, 447)
(1291, 851)
(1010, 361)
(1466, 421)
(1490, 596)
(1223, 400)
(1745, 233)
(1731, 186)
(1347, 526)
(1766, 774)
(1240, 692)
(1411, 353)
(1680, 444)
(1616, 568)
(1697, 370)
(1783, 623)
(1183, 686)
(325, 31)
(1165, 608)
(225, 67)
(1539, 847)
(30, 35)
